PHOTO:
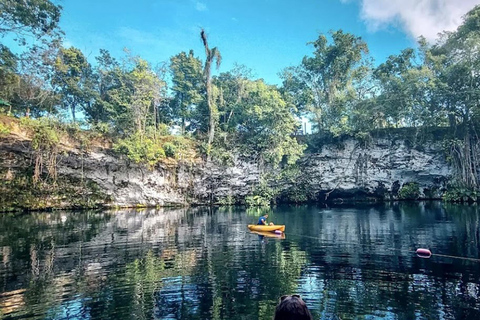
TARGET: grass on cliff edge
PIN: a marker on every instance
(151, 148)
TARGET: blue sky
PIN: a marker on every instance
(264, 35)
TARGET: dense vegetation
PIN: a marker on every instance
(150, 118)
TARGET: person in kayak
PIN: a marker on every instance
(263, 220)
(292, 307)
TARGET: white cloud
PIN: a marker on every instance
(416, 17)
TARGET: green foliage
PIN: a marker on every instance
(296, 190)
(170, 149)
(22, 192)
(409, 190)
(257, 201)
(456, 62)
(187, 79)
(46, 132)
(147, 92)
(163, 130)
(103, 128)
(113, 95)
(34, 17)
(265, 123)
(153, 148)
(8, 77)
(4, 130)
(180, 148)
(327, 84)
(296, 195)
(463, 157)
(226, 201)
(73, 79)
(263, 195)
(455, 194)
(222, 155)
(140, 149)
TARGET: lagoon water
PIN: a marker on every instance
(355, 262)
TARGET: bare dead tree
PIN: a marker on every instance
(211, 55)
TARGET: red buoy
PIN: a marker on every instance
(424, 253)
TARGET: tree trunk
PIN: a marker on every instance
(73, 112)
(211, 54)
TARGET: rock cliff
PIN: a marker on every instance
(377, 170)
(350, 170)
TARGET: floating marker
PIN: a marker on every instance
(424, 253)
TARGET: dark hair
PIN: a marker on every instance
(292, 308)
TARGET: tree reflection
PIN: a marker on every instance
(202, 263)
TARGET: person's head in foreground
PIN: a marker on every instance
(292, 307)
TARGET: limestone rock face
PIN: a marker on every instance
(348, 170)
(377, 170)
(120, 182)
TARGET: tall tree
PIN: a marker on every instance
(187, 86)
(34, 93)
(232, 90)
(265, 124)
(146, 96)
(28, 17)
(73, 79)
(211, 55)
(34, 18)
(456, 61)
(8, 73)
(113, 89)
(323, 81)
(405, 84)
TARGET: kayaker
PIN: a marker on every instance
(292, 307)
(263, 220)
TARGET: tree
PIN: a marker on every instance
(111, 94)
(36, 18)
(405, 90)
(146, 94)
(73, 79)
(34, 93)
(28, 17)
(322, 82)
(456, 60)
(187, 86)
(232, 90)
(8, 73)
(265, 125)
(210, 56)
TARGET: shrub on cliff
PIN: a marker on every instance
(262, 195)
(409, 190)
(4, 130)
(456, 194)
(140, 149)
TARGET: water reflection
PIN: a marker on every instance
(202, 263)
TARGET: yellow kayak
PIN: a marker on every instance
(259, 227)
